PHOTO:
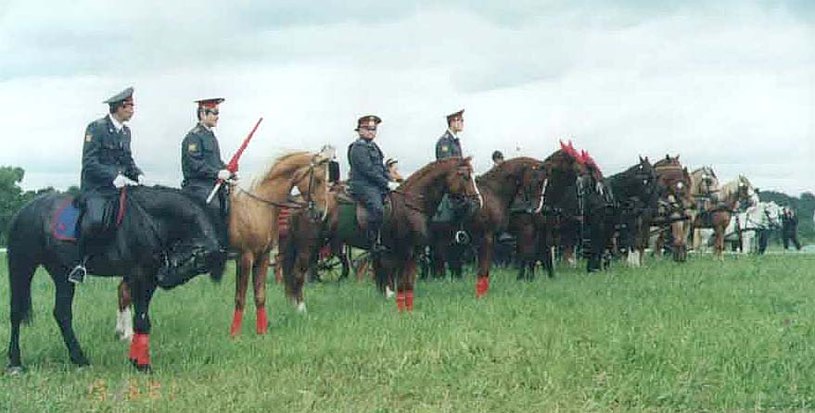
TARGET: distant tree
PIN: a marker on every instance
(11, 196)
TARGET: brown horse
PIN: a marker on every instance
(537, 228)
(521, 178)
(253, 227)
(718, 213)
(403, 233)
(674, 181)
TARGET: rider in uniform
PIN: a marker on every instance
(202, 166)
(107, 166)
(368, 178)
(452, 209)
(448, 145)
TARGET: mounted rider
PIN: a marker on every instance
(367, 178)
(452, 209)
(107, 166)
(202, 166)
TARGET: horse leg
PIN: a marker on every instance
(244, 266)
(124, 317)
(484, 261)
(260, 268)
(408, 278)
(142, 291)
(21, 271)
(63, 314)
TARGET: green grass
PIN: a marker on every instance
(700, 336)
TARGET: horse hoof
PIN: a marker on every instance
(81, 362)
(14, 370)
(142, 368)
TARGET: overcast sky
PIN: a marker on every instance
(729, 84)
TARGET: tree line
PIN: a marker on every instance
(13, 197)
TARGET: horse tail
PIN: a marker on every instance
(22, 263)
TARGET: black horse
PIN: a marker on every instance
(160, 230)
(597, 205)
(636, 191)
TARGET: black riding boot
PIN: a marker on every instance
(374, 240)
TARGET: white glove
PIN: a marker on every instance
(224, 174)
(141, 179)
(120, 181)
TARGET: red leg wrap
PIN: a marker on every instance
(409, 300)
(237, 319)
(262, 321)
(400, 301)
(140, 349)
(481, 286)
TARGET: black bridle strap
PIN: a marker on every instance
(288, 204)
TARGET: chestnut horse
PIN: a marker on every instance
(405, 230)
(536, 228)
(522, 178)
(674, 203)
(732, 196)
(253, 227)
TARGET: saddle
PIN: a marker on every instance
(88, 216)
(353, 215)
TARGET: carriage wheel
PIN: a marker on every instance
(330, 268)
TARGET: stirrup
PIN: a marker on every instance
(77, 275)
(462, 237)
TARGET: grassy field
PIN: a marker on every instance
(702, 336)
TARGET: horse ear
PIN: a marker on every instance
(677, 157)
(641, 160)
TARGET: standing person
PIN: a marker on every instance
(497, 158)
(202, 166)
(107, 166)
(368, 178)
(393, 173)
(449, 145)
(789, 228)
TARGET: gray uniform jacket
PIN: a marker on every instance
(447, 146)
(105, 154)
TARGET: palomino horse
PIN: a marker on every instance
(704, 192)
(253, 225)
(732, 196)
(636, 194)
(750, 229)
(674, 202)
(521, 177)
(403, 233)
(535, 227)
(158, 226)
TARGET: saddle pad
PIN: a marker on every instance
(63, 223)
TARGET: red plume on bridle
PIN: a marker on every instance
(589, 161)
(571, 151)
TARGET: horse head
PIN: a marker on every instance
(309, 172)
(460, 180)
(165, 222)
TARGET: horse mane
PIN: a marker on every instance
(502, 168)
(282, 166)
(732, 187)
(419, 175)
